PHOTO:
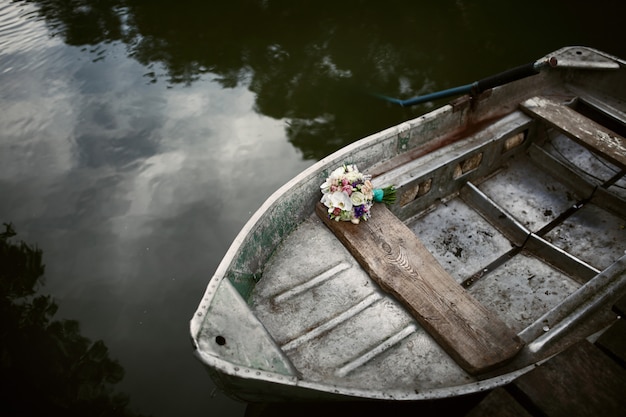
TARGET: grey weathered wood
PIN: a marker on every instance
(585, 131)
(499, 403)
(620, 306)
(579, 382)
(613, 341)
(400, 263)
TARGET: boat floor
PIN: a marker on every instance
(337, 327)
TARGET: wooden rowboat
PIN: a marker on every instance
(505, 246)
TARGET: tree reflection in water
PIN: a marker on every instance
(46, 366)
(310, 62)
(306, 62)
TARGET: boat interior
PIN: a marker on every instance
(527, 215)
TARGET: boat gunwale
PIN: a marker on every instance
(310, 388)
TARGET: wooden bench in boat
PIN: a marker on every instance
(400, 263)
(585, 131)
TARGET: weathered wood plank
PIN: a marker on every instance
(400, 263)
(499, 403)
(585, 131)
(579, 382)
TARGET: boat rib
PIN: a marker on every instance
(315, 281)
(377, 350)
(334, 322)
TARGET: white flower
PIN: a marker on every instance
(337, 173)
(357, 198)
(338, 199)
(341, 200)
(326, 200)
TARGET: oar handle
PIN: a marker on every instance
(511, 75)
(478, 87)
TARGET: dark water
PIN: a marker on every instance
(138, 136)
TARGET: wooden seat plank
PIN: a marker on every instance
(585, 131)
(400, 263)
(579, 382)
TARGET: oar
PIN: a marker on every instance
(478, 87)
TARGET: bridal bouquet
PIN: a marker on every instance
(348, 194)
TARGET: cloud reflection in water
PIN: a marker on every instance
(134, 191)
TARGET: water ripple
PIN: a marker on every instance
(22, 29)
(29, 54)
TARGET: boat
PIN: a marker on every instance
(505, 245)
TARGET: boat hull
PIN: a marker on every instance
(290, 315)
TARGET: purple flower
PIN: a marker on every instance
(359, 211)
